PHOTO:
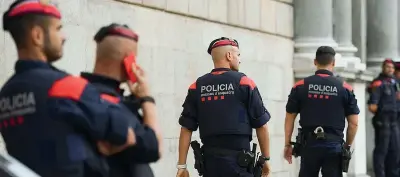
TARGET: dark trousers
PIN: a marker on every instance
(217, 165)
(326, 159)
(386, 152)
(120, 169)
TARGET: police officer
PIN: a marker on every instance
(383, 103)
(323, 101)
(49, 119)
(225, 105)
(114, 43)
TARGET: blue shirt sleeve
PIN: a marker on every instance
(375, 92)
(294, 100)
(351, 107)
(188, 118)
(258, 114)
(79, 104)
(146, 149)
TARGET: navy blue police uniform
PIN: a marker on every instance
(323, 101)
(126, 163)
(49, 118)
(133, 161)
(385, 156)
(225, 105)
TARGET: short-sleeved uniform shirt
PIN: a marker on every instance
(383, 93)
(223, 103)
(322, 100)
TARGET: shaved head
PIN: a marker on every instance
(226, 56)
(115, 48)
(110, 53)
(219, 52)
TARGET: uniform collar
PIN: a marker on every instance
(103, 80)
(323, 71)
(384, 76)
(24, 65)
(220, 69)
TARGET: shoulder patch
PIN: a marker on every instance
(110, 98)
(347, 86)
(376, 83)
(69, 87)
(246, 81)
(192, 86)
(298, 83)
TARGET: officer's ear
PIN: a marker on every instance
(315, 62)
(37, 35)
(333, 62)
(229, 55)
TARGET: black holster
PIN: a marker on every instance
(346, 157)
(198, 157)
(259, 166)
(245, 159)
(299, 144)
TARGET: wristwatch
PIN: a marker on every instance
(265, 158)
(147, 99)
(181, 166)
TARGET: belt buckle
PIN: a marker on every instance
(319, 132)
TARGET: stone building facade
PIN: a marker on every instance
(277, 40)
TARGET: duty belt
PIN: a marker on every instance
(220, 151)
(319, 134)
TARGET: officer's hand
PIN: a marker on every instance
(287, 153)
(182, 173)
(141, 87)
(266, 171)
(398, 95)
(107, 149)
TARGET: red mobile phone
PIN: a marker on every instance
(129, 62)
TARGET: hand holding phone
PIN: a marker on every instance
(137, 80)
(129, 63)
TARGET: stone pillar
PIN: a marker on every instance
(358, 166)
(359, 25)
(313, 28)
(342, 30)
(343, 36)
(382, 31)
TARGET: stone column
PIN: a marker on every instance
(382, 31)
(359, 25)
(358, 165)
(313, 28)
(342, 32)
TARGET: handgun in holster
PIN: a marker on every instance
(298, 145)
(246, 159)
(198, 157)
(259, 166)
(346, 157)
